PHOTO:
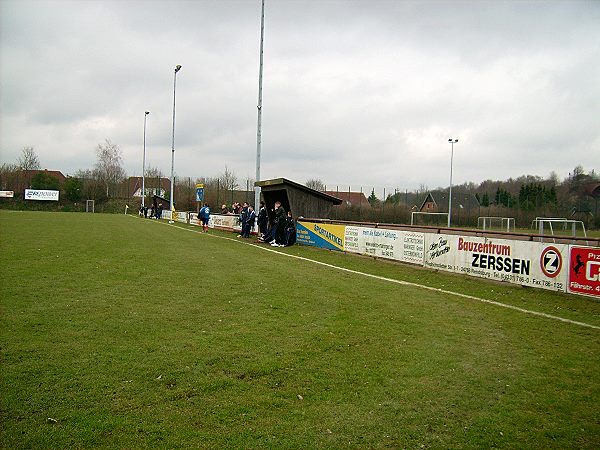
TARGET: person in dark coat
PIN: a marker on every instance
(243, 215)
(249, 223)
(290, 229)
(279, 224)
(262, 220)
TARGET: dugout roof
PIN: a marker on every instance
(301, 200)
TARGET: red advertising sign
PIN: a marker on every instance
(584, 273)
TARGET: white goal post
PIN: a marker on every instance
(558, 223)
(502, 223)
(429, 214)
(89, 206)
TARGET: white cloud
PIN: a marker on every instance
(354, 92)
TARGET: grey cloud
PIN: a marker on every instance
(354, 92)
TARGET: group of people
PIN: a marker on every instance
(282, 231)
(152, 212)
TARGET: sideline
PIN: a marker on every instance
(391, 280)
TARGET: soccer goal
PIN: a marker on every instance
(559, 226)
(496, 223)
(89, 206)
(428, 218)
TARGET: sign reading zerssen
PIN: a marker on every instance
(40, 194)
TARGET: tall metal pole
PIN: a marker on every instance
(144, 163)
(452, 142)
(259, 125)
(177, 68)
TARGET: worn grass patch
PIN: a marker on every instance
(129, 334)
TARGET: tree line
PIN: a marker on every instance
(516, 197)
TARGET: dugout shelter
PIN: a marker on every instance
(301, 200)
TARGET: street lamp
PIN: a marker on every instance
(452, 142)
(177, 68)
(144, 163)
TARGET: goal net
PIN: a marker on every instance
(428, 218)
(559, 226)
(89, 206)
(496, 223)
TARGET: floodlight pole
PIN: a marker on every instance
(177, 68)
(259, 124)
(144, 163)
(452, 142)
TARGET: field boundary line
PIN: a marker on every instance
(401, 282)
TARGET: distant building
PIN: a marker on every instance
(429, 204)
(437, 201)
(350, 199)
(24, 178)
(154, 186)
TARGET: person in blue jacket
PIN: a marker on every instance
(249, 222)
(204, 216)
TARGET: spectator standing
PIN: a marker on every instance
(279, 224)
(159, 211)
(249, 223)
(262, 220)
(290, 229)
(243, 215)
(224, 209)
(204, 215)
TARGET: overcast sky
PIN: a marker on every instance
(355, 92)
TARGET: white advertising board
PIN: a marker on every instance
(7, 194)
(227, 222)
(182, 216)
(194, 219)
(391, 244)
(526, 263)
(41, 194)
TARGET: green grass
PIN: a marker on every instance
(134, 334)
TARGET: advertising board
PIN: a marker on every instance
(7, 194)
(584, 271)
(526, 263)
(391, 244)
(41, 194)
(225, 222)
(323, 235)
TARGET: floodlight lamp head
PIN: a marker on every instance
(147, 112)
(177, 68)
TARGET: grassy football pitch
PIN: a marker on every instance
(119, 332)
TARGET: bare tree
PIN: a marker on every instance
(9, 176)
(153, 172)
(316, 184)
(108, 167)
(29, 159)
(228, 180)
